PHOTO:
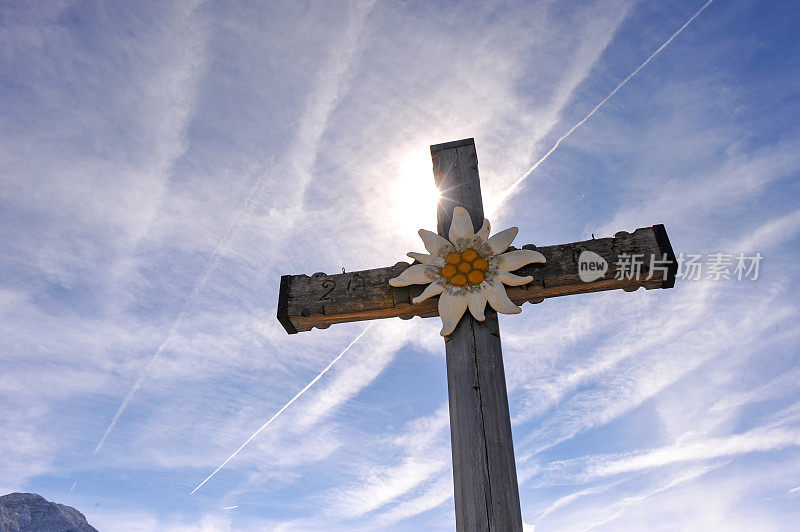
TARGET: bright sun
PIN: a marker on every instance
(414, 193)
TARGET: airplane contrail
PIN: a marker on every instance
(322, 111)
(284, 407)
(196, 287)
(507, 194)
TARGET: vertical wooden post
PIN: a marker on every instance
(484, 472)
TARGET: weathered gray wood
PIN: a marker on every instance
(458, 182)
(505, 510)
(484, 471)
(320, 300)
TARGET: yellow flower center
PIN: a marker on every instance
(465, 267)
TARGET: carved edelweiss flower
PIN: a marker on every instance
(468, 270)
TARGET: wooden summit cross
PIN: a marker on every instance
(484, 473)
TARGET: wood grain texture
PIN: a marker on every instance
(320, 300)
(458, 183)
(484, 472)
(452, 144)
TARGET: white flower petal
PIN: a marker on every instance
(516, 259)
(461, 228)
(498, 299)
(499, 242)
(435, 244)
(512, 280)
(477, 303)
(433, 289)
(416, 274)
(424, 258)
(451, 308)
(483, 233)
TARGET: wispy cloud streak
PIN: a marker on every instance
(687, 448)
(515, 185)
(310, 131)
(284, 407)
(622, 506)
(572, 497)
(199, 283)
(425, 456)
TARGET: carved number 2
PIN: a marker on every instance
(330, 285)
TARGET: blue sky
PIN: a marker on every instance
(163, 163)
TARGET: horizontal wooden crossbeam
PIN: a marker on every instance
(320, 300)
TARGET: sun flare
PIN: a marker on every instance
(415, 196)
